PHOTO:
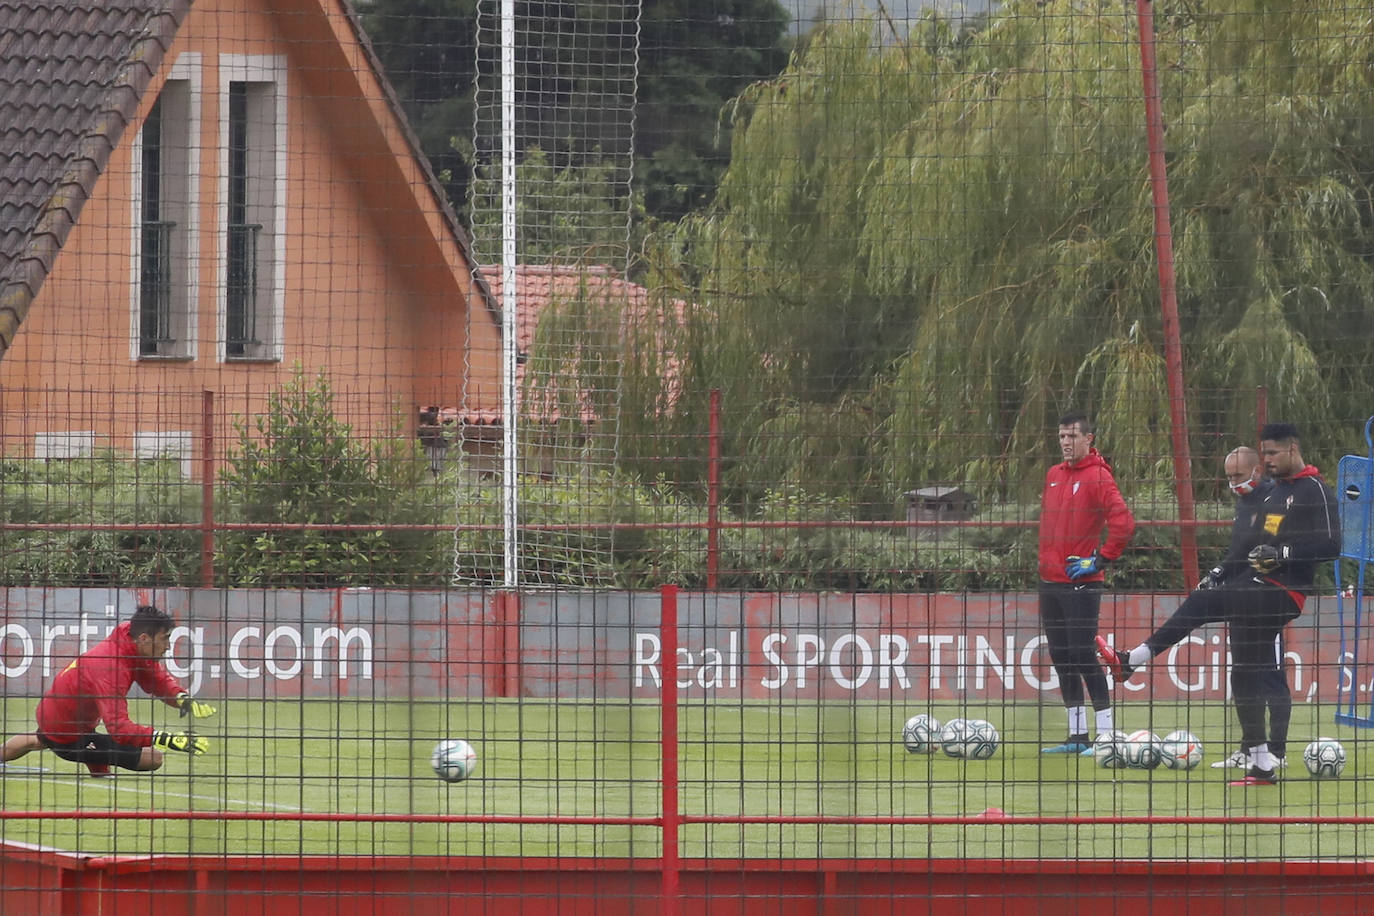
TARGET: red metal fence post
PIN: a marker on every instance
(508, 613)
(1168, 302)
(667, 633)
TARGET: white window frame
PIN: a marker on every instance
(174, 445)
(187, 68)
(70, 443)
(253, 68)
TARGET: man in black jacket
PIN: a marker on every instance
(1205, 604)
(1298, 528)
(1208, 602)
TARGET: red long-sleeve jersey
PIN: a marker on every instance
(1077, 502)
(95, 688)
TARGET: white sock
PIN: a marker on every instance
(1261, 758)
(1078, 720)
(1104, 721)
(1138, 656)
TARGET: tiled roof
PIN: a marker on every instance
(71, 75)
(537, 286)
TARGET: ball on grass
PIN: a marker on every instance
(921, 734)
(453, 760)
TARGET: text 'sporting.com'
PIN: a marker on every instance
(283, 652)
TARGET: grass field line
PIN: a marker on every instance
(112, 783)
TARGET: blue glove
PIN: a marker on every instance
(1078, 567)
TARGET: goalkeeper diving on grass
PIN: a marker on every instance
(94, 689)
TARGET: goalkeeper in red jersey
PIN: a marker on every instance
(94, 689)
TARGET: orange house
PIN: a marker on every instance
(208, 198)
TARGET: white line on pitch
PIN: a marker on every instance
(112, 783)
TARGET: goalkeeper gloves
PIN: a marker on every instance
(180, 741)
(1078, 567)
(1211, 580)
(193, 707)
(1265, 558)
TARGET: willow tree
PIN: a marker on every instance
(923, 251)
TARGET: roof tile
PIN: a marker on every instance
(70, 82)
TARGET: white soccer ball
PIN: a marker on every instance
(1181, 750)
(453, 760)
(969, 739)
(1110, 750)
(1142, 750)
(982, 741)
(1325, 758)
(921, 734)
(952, 737)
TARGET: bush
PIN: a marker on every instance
(300, 465)
(98, 490)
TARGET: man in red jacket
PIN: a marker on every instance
(94, 688)
(1079, 499)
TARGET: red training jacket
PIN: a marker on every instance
(1077, 502)
(95, 688)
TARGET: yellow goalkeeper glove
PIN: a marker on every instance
(193, 707)
(180, 741)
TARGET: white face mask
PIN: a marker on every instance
(1244, 488)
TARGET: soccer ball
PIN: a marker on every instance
(1110, 750)
(921, 734)
(1142, 750)
(970, 739)
(1181, 750)
(1325, 758)
(953, 736)
(982, 741)
(453, 760)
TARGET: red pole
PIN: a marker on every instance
(207, 488)
(713, 492)
(508, 613)
(671, 817)
(1168, 300)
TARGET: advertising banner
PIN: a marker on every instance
(397, 644)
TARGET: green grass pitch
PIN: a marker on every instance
(541, 757)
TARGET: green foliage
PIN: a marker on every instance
(298, 464)
(694, 55)
(565, 213)
(553, 552)
(103, 489)
(949, 241)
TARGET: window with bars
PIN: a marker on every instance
(164, 300)
(250, 207)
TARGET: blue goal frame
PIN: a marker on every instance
(1355, 499)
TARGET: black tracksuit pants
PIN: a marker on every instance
(1257, 615)
(1260, 677)
(1069, 612)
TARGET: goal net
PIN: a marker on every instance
(550, 204)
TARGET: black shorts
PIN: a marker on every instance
(97, 748)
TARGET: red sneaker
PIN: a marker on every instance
(1111, 660)
(1256, 777)
(99, 769)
